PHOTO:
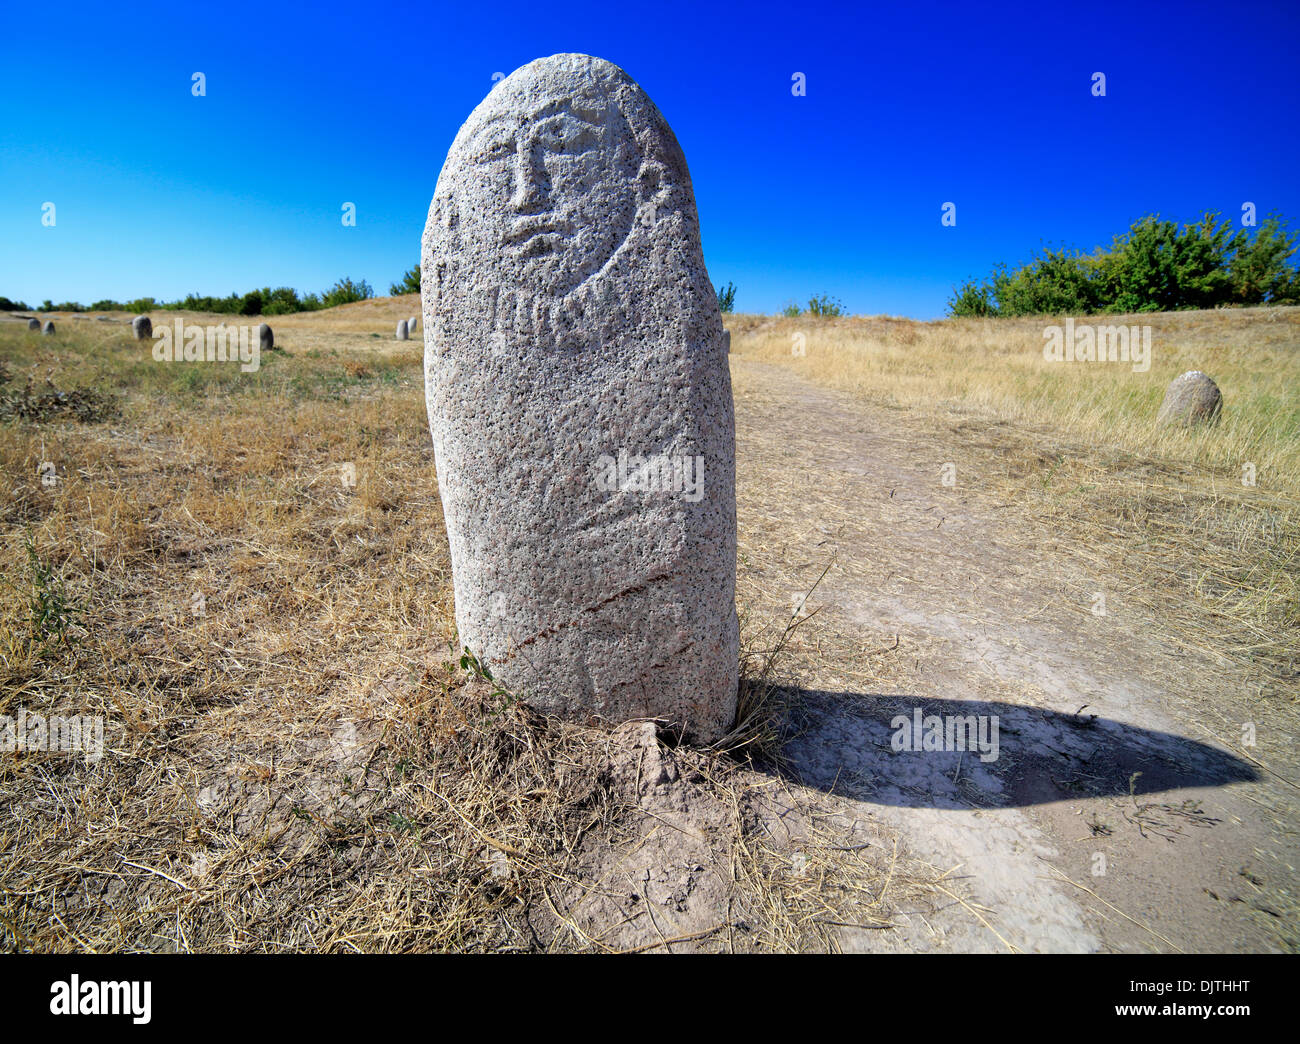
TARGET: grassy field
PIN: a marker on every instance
(247, 575)
(997, 367)
(1075, 445)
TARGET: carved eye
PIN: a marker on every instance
(569, 137)
(498, 148)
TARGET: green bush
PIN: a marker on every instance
(791, 310)
(266, 301)
(410, 283)
(1288, 289)
(1155, 266)
(1053, 283)
(727, 297)
(973, 299)
(7, 305)
(284, 300)
(824, 307)
(345, 291)
(1259, 270)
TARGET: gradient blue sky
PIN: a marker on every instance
(908, 105)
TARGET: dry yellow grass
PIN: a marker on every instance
(248, 579)
(1075, 446)
(997, 367)
(291, 765)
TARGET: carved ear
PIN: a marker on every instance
(448, 213)
(650, 182)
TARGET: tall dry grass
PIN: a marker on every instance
(247, 576)
(1076, 446)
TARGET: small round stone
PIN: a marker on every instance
(48, 329)
(142, 327)
(33, 324)
(265, 339)
(402, 334)
(1193, 398)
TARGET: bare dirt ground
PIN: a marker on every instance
(1122, 813)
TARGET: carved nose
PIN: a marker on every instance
(531, 181)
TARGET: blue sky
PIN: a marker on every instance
(908, 106)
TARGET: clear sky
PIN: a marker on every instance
(908, 106)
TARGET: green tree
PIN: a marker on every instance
(825, 307)
(1156, 267)
(345, 291)
(1054, 282)
(283, 300)
(410, 283)
(1258, 270)
(1201, 255)
(973, 299)
(1137, 273)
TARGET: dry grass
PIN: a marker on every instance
(293, 762)
(1075, 448)
(996, 367)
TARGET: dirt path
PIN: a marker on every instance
(940, 599)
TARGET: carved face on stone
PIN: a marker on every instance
(545, 188)
(568, 315)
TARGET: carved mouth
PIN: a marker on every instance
(541, 243)
(536, 236)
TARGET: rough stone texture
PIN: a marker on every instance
(33, 324)
(265, 338)
(569, 319)
(402, 333)
(1193, 398)
(142, 327)
(48, 328)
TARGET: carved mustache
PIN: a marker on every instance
(524, 229)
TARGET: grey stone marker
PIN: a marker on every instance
(1193, 398)
(48, 329)
(580, 404)
(410, 325)
(402, 334)
(726, 340)
(33, 324)
(265, 338)
(142, 327)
